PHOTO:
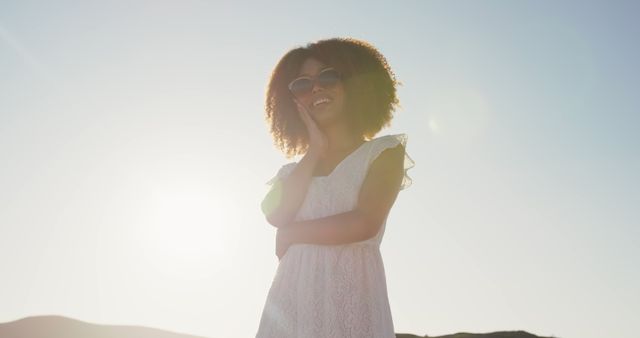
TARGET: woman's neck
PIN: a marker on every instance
(341, 139)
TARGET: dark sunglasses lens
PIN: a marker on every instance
(329, 77)
(300, 86)
(325, 79)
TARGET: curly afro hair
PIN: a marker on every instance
(369, 82)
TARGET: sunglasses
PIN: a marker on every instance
(303, 85)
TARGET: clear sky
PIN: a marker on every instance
(134, 155)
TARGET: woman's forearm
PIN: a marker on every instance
(344, 228)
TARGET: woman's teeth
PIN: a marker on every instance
(320, 101)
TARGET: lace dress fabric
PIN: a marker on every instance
(333, 290)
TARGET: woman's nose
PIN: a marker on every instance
(316, 88)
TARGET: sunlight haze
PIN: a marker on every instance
(134, 155)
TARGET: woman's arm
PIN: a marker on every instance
(377, 195)
(282, 202)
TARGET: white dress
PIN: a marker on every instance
(336, 291)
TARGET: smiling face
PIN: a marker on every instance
(325, 104)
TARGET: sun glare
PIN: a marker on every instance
(458, 115)
(182, 230)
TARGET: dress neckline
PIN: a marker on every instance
(342, 161)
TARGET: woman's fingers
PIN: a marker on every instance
(301, 107)
(308, 121)
(306, 116)
(303, 113)
(317, 140)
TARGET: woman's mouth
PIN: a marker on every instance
(321, 101)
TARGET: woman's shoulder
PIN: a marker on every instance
(396, 145)
(389, 141)
(283, 172)
(398, 136)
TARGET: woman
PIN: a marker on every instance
(325, 100)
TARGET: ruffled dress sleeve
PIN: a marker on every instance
(283, 172)
(392, 141)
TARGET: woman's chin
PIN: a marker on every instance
(318, 110)
(321, 113)
(326, 119)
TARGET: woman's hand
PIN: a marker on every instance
(318, 142)
(281, 244)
